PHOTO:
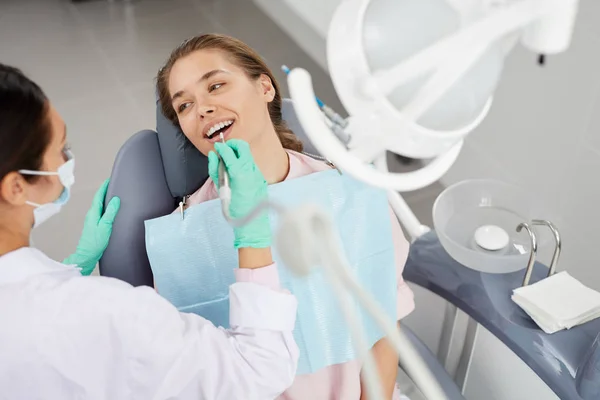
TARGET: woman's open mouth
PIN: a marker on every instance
(214, 133)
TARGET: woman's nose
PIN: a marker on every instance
(204, 111)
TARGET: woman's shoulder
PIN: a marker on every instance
(303, 164)
(207, 192)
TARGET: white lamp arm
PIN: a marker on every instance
(409, 220)
(309, 115)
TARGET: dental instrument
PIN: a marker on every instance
(225, 197)
(334, 121)
(182, 204)
(224, 188)
(333, 116)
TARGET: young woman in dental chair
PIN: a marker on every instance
(214, 84)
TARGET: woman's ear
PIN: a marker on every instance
(12, 189)
(267, 88)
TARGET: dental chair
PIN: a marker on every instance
(152, 173)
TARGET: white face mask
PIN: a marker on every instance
(42, 212)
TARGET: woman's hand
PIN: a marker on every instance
(97, 229)
(386, 360)
(248, 190)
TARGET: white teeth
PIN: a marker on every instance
(218, 126)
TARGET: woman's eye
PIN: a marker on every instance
(182, 107)
(215, 86)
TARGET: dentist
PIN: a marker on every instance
(64, 335)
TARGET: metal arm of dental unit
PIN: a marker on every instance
(375, 125)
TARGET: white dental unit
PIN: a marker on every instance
(416, 77)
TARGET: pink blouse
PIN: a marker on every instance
(341, 381)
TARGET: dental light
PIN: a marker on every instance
(416, 76)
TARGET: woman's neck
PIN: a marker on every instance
(271, 158)
(10, 237)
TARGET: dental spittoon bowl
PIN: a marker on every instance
(476, 222)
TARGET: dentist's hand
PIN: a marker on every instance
(97, 229)
(248, 190)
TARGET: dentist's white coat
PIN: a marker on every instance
(64, 336)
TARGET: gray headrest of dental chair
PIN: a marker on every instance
(151, 173)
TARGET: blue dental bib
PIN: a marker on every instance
(193, 262)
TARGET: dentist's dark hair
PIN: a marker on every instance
(24, 123)
(244, 57)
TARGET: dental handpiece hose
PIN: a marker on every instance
(338, 123)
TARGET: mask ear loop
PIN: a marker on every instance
(38, 173)
(66, 179)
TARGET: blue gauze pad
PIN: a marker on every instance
(193, 262)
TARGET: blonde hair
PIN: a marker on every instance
(245, 58)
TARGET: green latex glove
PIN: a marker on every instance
(248, 190)
(96, 232)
